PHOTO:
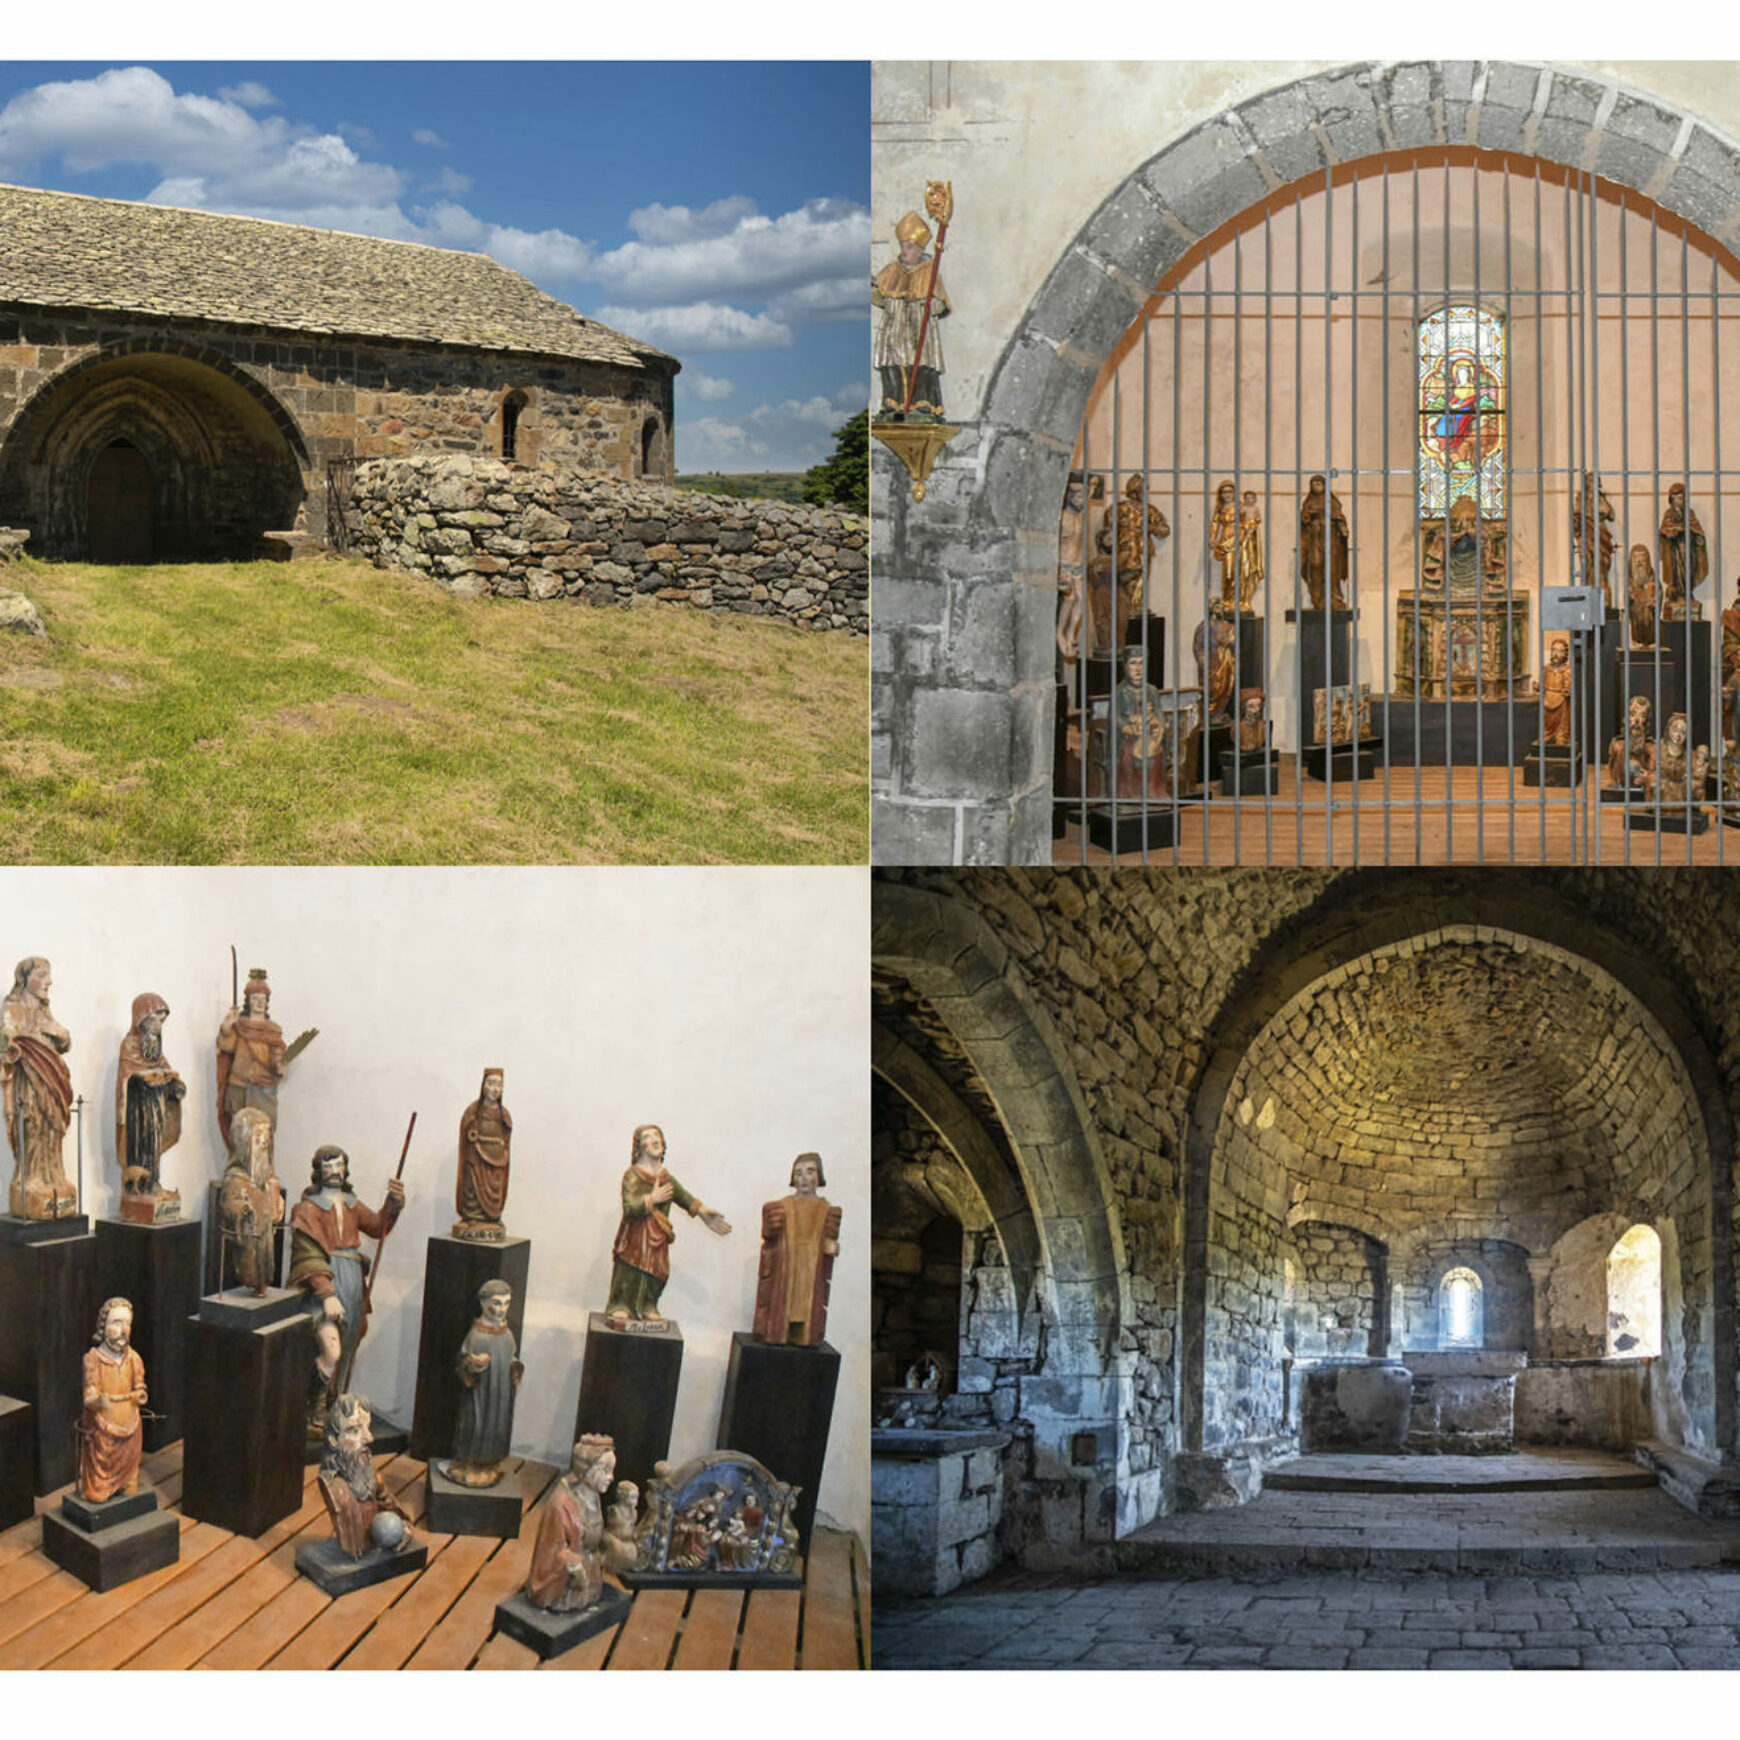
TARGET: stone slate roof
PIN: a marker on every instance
(68, 250)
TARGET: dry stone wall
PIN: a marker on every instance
(481, 526)
(1336, 1296)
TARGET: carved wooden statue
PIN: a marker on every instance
(38, 1096)
(1250, 549)
(1323, 546)
(327, 1226)
(900, 291)
(1143, 749)
(1685, 559)
(365, 1516)
(1681, 774)
(489, 1372)
(1464, 556)
(1556, 695)
(577, 1543)
(800, 1237)
(111, 1429)
(1253, 727)
(148, 1096)
(485, 1137)
(251, 1201)
(1592, 514)
(1133, 530)
(1631, 756)
(1216, 661)
(1223, 538)
(251, 1055)
(641, 1255)
(1731, 667)
(1643, 603)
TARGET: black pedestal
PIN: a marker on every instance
(452, 1509)
(1670, 821)
(157, 1268)
(241, 1308)
(628, 1389)
(48, 1305)
(1249, 772)
(452, 1273)
(1639, 671)
(17, 1460)
(15, 1229)
(123, 1507)
(210, 1280)
(1346, 760)
(1131, 830)
(779, 1403)
(116, 1553)
(1251, 670)
(247, 1403)
(1553, 764)
(1437, 733)
(1204, 749)
(329, 1565)
(1325, 657)
(550, 1634)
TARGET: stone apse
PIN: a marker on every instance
(1155, 1146)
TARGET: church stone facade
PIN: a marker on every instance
(176, 384)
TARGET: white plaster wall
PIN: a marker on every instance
(726, 1005)
(1034, 147)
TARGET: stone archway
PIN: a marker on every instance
(219, 461)
(969, 737)
(1374, 915)
(1064, 1226)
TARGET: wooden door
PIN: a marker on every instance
(119, 507)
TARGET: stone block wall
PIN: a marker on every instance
(1341, 1275)
(480, 526)
(934, 1520)
(344, 400)
(1507, 1294)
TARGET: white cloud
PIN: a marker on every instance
(450, 181)
(700, 326)
(428, 136)
(249, 95)
(665, 225)
(790, 436)
(703, 389)
(729, 251)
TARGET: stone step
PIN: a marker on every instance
(1417, 1476)
(1336, 1552)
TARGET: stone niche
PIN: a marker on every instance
(1463, 1403)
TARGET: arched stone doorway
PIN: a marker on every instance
(960, 1040)
(969, 733)
(1559, 1125)
(153, 454)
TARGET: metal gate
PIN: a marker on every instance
(1371, 551)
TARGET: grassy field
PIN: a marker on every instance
(326, 712)
(746, 485)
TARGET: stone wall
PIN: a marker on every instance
(480, 526)
(217, 396)
(1507, 1294)
(1341, 1275)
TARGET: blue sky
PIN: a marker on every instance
(716, 209)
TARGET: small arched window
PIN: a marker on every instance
(511, 407)
(652, 451)
(1461, 1310)
(1634, 1295)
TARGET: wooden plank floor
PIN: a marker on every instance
(1460, 815)
(232, 1602)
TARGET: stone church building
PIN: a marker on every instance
(1433, 283)
(175, 384)
(1179, 1174)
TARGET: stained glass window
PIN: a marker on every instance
(1462, 410)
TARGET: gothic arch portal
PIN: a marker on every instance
(226, 461)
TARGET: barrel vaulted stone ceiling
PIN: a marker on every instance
(68, 250)
(1467, 1077)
